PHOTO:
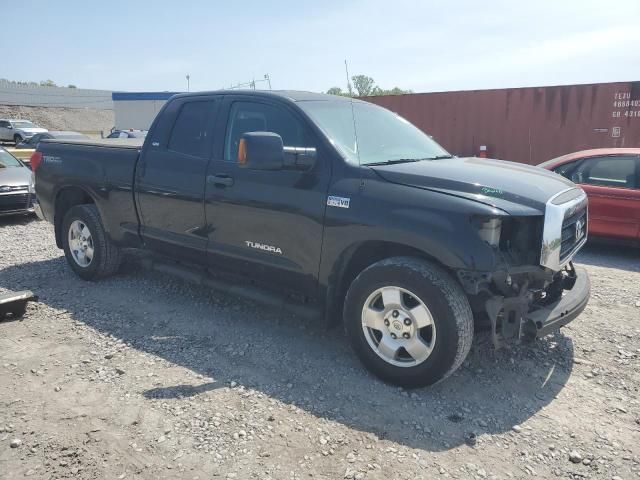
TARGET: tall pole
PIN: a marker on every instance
(268, 79)
(346, 69)
(188, 77)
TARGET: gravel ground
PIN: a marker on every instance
(145, 376)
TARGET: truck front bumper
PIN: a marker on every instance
(558, 314)
(516, 317)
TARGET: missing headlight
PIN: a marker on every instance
(489, 231)
(521, 238)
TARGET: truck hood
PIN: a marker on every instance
(512, 187)
(31, 131)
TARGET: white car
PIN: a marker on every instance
(18, 130)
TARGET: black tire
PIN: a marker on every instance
(17, 139)
(440, 293)
(106, 255)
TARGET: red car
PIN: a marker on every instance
(611, 178)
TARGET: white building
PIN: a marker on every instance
(136, 110)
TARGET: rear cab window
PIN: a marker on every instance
(189, 133)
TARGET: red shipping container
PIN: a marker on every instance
(527, 125)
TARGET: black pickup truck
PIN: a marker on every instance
(337, 204)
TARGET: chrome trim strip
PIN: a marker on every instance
(552, 232)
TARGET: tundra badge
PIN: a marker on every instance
(262, 246)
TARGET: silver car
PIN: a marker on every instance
(16, 131)
(17, 195)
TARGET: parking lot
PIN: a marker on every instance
(146, 376)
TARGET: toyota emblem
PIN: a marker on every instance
(579, 229)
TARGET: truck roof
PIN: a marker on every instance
(291, 95)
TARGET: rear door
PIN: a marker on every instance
(611, 183)
(170, 179)
(266, 224)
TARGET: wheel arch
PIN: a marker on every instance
(354, 260)
(66, 198)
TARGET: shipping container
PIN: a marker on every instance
(137, 110)
(527, 125)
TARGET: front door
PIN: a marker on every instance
(266, 224)
(611, 183)
(6, 133)
(170, 179)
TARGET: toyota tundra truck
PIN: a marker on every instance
(335, 205)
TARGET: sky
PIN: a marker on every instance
(421, 45)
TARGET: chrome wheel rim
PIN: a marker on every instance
(398, 326)
(80, 243)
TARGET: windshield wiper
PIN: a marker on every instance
(408, 160)
(440, 157)
(399, 160)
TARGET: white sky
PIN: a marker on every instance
(421, 45)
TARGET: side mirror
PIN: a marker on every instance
(261, 151)
(10, 127)
(265, 151)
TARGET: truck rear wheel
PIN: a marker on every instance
(409, 321)
(89, 251)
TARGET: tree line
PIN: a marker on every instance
(42, 83)
(365, 86)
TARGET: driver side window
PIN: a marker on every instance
(258, 117)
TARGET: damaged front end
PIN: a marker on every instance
(540, 305)
(535, 288)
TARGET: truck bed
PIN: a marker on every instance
(103, 169)
(134, 143)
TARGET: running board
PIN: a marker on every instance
(199, 276)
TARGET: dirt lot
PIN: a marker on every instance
(145, 376)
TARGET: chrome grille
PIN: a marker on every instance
(13, 188)
(565, 228)
(574, 229)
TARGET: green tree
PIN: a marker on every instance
(363, 85)
(397, 91)
(71, 86)
(335, 91)
(48, 83)
(366, 86)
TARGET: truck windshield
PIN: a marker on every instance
(382, 136)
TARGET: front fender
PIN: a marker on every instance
(437, 224)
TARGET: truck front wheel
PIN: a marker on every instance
(409, 321)
(89, 251)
